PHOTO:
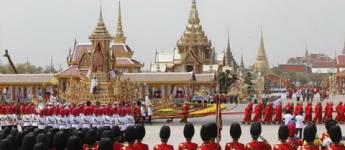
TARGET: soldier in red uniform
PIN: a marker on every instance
(326, 112)
(90, 140)
(248, 113)
(283, 134)
(308, 112)
(328, 124)
(257, 111)
(336, 137)
(129, 135)
(140, 131)
(184, 113)
(309, 136)
(329, 111)
(235, 133)
(268, 113)
(318, 112)
(278, 113)
(292, 107)
(340, 112)
(292, 140)
(164, 134)
(255, 131)
(205, 136)
(117, 138)
(295, 111)
(188, 132)
(213, 135)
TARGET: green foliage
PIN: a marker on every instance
(248, 84)
(22, 68)
(225, 80)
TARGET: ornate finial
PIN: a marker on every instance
(242, 63)
(261, 58)
(119, 37)
(100, 18)
(262, 46)
(306, 55)
(100, 31)
(193, 16)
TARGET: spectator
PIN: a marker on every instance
(299, 124)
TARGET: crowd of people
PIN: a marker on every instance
(274, 114)
(112, 138)
(74, 116)
(307, 93)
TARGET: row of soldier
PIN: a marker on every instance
(62, 117)
(273, 114)
(113, 138)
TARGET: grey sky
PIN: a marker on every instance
(39, 29)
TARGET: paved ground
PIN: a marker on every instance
(269, 131)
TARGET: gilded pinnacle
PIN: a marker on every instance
(119, 37)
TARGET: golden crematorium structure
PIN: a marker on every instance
(91, 74)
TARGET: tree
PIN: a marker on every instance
(225, 80)
(249, 86)
(22, 68)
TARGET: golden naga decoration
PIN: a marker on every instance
(116, 90)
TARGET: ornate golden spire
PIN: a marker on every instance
(100, 32)
(119, 37)
(193, 16)
(261, 58)
(194, 34)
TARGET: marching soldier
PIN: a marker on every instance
(129, 116)
(188, 132)
(318, 112)
(75, 118)
(26, 119)
(114, 120)
(184, 112)
(329, 111)
(278, 113)
(248, 113)
(2, 117)
(257, 112)
(336, 137)
(122, 119)
(268, 113)
(63, 118)
(164, 134)
(96, 118)
(33, 116)
(108, 117)
(235, 133)
(283, 134)
(42, 119)
(50, 120)
(85, 118)
(340, 112)
(255, 131)
(308, 112)
(140, 131)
